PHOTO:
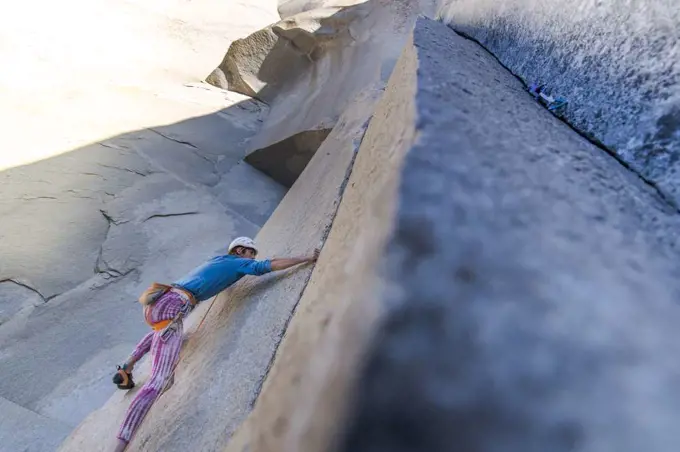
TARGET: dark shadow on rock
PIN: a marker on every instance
(284, 161)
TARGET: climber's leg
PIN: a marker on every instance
(165, 353)
(121, 446)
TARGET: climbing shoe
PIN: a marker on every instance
(123, 378)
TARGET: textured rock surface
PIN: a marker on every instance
(31, 431)
(249, 192)
(256, 65)
(265, 63)
(532, 300)
(262, 64)
(225, 364)
(312, 72)
(617, 62)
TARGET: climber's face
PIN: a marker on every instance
(247, 253)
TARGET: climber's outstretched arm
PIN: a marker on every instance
(287, 262)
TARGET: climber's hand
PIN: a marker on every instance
(315, 256)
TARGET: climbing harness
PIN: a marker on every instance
(122, 378)
(157, 290)
(555, 105)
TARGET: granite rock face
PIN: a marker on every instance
(616, 62)
(531, 296)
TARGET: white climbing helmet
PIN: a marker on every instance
(245, 242)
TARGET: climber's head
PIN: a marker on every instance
(243, 247)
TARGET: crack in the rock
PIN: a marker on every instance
(195, 149)
(100, 265)
(102, 268)
(18, 283)
(111, 220)
(666, 198)
(112, 278)
(24, 198)
(112, 146)
(93, 174)
(209, 160)
(324, 236)
(165, 215)
(75, 193)
(100, 258)
(110, 272)
(213, 163)
(186, 143)
(125, 169)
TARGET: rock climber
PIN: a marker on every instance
(164, 308)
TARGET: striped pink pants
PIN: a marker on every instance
(164, 353)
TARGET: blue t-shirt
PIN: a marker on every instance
(219, 273)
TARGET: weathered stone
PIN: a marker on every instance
(31, 431)
(39, 204)
(284, 161)
(131, 218)
(310, 30)
(531, 289)
(15, 298)
(265, 63)
(250, 192)
(615, 62)
(240, 70)
(368, 38)
(309, 75)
